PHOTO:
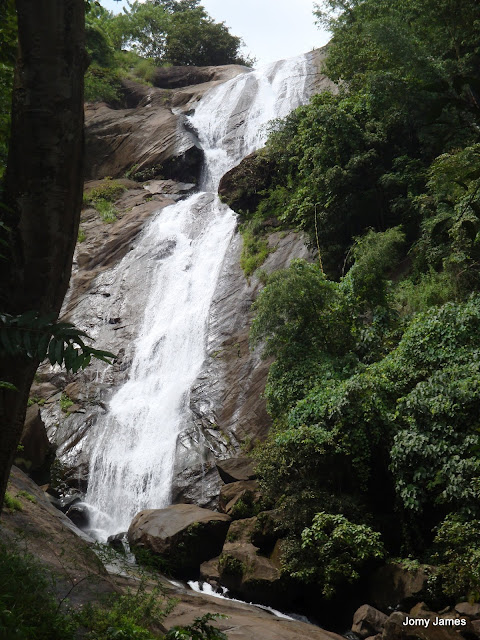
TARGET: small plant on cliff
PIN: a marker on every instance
(457, 552)
(12, 503)
(254, 253)
(231, 566)
(65, 403)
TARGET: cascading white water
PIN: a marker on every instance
(133, 446)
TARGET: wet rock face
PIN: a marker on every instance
(182, 536)
(226, 399)
(226, 402)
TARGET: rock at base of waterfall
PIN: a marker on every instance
(181, 536)
(247, 574)
(393, 585)
(239, 499)
(247, 571)
(368, 621)
(396, 629)
(235, 469)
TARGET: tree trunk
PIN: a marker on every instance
(43, 187)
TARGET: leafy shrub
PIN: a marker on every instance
(200, 629)
(457, 553)
(28, 609)
(134, 614)
(432, 288)
(435, 457)
(102, 198)
(102, 85)
(110, 190)
(230, 565)
(334, 551)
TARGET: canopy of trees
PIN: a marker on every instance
(149, 34)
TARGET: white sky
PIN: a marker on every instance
(271, 29)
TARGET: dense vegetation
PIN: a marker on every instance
(375, 386)
(150, 34)
(30, 610)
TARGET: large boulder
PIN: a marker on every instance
(394, 585)
(247, 574)
(235, 469)
(244, 570)
(182, 536)
(368, 621)
(238, 499)
(427, 626)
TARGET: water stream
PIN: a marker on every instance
(132, 447)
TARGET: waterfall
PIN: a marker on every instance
(132, 447)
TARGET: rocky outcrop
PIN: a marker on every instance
(394, 585)
(226, 399)
(240, 187)
(35, 453)
(49, 536)
(176, 77)
(238, 499)
(181, 536)
(245, 570)
(368, 621)
(235, 469)
(151, 133)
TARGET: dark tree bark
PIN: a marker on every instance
(43, 187)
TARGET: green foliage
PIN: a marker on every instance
(430, 289)
(435, 457)
(28, 496)
(82, 236)
(12, 503)
(110, 190)
(39, 337)
(103, 197)
(335, 550)
(229, 565)
(450, 233)
(375, 380)
(102, 85)
(457, 553)
(107, 211)
(200, 629)
(181, 35)
(254, 252)
(195, 39)
(134, 614)
(297, 311)
(65, 403)
(374, 255)
(245, 507)
(28, 609)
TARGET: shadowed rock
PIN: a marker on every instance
(182, 536)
